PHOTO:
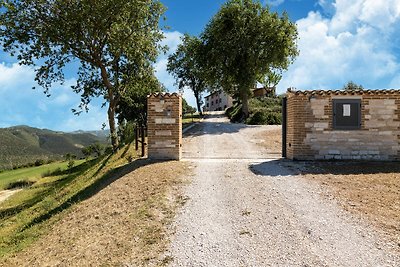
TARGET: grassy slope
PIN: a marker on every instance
(32, 174)
(27, 214)
(22, 144)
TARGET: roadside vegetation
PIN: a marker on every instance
(190, 114)
(127, 206)
(262, 111)
(26, 215)
(32, 174)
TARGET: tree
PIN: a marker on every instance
(87, 151)
(133, 105)
(186, 108)
(245, 43)
(114, 42)
(352, 86)
(187, 68)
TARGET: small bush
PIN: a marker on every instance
(235, 113)
(19, 184)
(71, 164)
(263, 117)
(39, 162)
(56, 172)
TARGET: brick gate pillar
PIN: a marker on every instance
(164, 126)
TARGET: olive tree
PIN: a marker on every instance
(245, 43)
(110, 43)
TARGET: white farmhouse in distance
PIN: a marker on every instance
(217, 101)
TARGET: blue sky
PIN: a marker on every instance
(339, 41)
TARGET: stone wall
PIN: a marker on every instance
(310, 133)
(164, 123)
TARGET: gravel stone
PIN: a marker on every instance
(244, 208)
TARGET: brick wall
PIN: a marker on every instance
(310, 133)
(164, 122)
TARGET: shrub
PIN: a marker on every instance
(39, 162)
(235, 113)
(56, 172)
(19, 184)
(71, 164)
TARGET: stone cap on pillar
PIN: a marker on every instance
(164, 95)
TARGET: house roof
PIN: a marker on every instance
(344, 92)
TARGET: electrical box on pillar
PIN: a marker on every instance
(164, 122)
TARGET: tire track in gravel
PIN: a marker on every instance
(245, 209)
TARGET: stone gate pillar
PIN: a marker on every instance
(164, 126)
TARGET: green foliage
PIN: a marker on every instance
(22, 146)
(245, 43)
(186, 109)
(19, 184)
(33, 173)
(30, 213)
(96, 148)
(263, 111)
(187, 67)
(39, 162)
(352, 86)
(114, 42)
(267, 110)
(234, 113)
(132, 106)
(71, 164)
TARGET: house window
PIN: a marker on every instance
(347, 114)
(212, 103)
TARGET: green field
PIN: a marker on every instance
(32, 174)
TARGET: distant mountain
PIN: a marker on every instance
(101, 133)
(23, 144)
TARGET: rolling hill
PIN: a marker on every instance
(20, 145)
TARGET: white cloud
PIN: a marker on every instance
(15, 76)
(92, 120)
(356, 43)
(172, 40)
(19, 104)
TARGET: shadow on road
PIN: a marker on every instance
(272, 168)
(285, 167)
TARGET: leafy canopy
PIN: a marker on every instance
(352, 86)
(246, 43)
(113, 42)
(187, 67)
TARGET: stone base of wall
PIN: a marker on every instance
(310, 133)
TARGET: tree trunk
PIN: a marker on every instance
(197, 96)
(111, 122)
(245, 102)
(111, 107)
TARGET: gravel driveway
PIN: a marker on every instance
(245, 208)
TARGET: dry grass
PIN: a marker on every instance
(124, 224)
(368, 190)
(271, 139)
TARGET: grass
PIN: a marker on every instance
(32, 174)
(190, 118)
(123, 219)
(24, 216)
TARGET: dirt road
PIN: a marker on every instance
(245, 208)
